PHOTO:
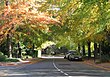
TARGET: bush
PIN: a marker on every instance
(12, 60)
(105, 58)
(2, 57)
(1, 53)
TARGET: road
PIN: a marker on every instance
(53, 67)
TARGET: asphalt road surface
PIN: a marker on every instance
(55, 68)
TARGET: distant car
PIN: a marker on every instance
(75, 56)
(68, 53)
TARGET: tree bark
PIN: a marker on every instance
(89, 49)
(10, 49)
(19, 51)
(9, 46)
(33, 51)
(95, 51)
(83, 50)
(100, 45)
(79, 48)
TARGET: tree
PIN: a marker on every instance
(19, 14)
(87, 20)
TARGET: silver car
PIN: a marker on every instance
(75, 56)
(68, 53)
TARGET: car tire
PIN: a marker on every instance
(69, 58)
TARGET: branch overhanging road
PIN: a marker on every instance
(53, 66)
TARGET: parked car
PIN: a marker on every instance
(68, 53)
(75, 56)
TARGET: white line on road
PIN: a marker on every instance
(59, 69)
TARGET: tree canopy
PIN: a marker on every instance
(81, 20)
(23, 17)
(85, 19)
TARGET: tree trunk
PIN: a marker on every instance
(83, 50)
(9, 46)
(89, 49)
(10, 49)
(100, 44)
(79, 48)
(33, 51)
(95, 51)
(19, 51)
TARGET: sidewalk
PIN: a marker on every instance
(105, 66)
(21, 62)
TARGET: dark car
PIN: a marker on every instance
(68, 53)
(75, 56)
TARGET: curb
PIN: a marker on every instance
(36, 61)
(20, 63)
(97, 66)
(29, 62)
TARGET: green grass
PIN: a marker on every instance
(11, 60)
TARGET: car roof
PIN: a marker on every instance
(71, 51)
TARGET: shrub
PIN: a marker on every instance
(2, 57)
(105, 58)
(1, 53)
(12, 60)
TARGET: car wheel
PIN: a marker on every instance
(69, 58)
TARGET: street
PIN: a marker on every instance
(53, 67)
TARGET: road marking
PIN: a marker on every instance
(59, 69)
(17, 74)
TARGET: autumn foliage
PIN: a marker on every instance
(21, 13)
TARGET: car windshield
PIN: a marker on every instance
(75, 53)
(71, 51)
